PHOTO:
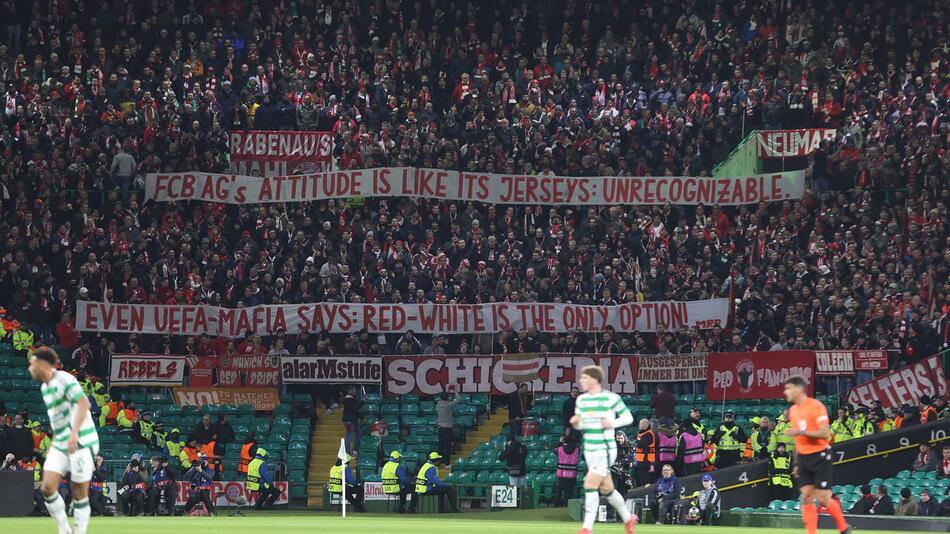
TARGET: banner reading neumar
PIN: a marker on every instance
(481, 187)
(192, 320)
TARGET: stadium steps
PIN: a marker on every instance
(324, 446)
(491, 427)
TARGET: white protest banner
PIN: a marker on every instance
(479, 187)
(267, 320)
(792, 143)
(147, 370)
(270, 153)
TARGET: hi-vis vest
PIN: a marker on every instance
(245, 457)
(174, 448)
(31, 466)
(390, 478)
(887, 425)
(146, 429)
(649, 454)
(208, 450)
(924, 415)
(781, 474)
(188, 456)
(422, 484)
(728, 440)
(335, 484)
(840, 431)
(22, 339)
(254, 474)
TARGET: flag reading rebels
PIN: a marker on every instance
(266, 320)
(481, 187)
(270, 153)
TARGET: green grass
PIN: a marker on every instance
(515, 522)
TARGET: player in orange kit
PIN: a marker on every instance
(810, 426)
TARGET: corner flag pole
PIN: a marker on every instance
(344, 458)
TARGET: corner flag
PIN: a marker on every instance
(344, 458)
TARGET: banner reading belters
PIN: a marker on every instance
(905, 385)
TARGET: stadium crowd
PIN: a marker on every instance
(95, 94)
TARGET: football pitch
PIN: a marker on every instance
(515, 522)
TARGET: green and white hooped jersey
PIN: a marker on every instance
(61, 394)
(591, 408)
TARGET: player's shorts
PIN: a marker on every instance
(600, 462)
(79, 464)
(815, 469)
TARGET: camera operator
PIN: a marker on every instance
(132, 487)
(163, 484)
(97, 497)
(201, 476)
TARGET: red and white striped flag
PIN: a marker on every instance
(518, 367)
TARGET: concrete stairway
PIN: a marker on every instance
(324, 446)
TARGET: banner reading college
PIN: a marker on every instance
(480, 187)
(192, 320)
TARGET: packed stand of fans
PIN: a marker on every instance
(95, 95)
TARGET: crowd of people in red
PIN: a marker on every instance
(96, 94)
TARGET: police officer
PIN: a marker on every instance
(860, 425)
(841, 427)
(729, 439)
(144, 429)
(163, 485)
(173, 445)
(780, 473)
(396, 480)
(341, 474)
(260, 479)
(429, 483)
(778, 434)
(22, 338)
(695, 420)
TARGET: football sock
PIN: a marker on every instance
(591, 503)
(616, 500)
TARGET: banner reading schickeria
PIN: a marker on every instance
(479, 187)
(336, 318)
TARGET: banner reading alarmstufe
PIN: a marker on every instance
(480, 187)
(192, 320)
